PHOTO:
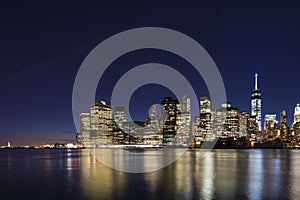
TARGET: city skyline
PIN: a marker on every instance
(105, 125)
(41, 56)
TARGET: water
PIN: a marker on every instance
(223, 174)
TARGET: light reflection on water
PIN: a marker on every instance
(255, 176)
(137, 161)
(208, 188)
(223, 174)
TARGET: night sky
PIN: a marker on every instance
(43, 46)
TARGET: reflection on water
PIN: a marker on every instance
(208, 188)
(137, 161)
(223, 174)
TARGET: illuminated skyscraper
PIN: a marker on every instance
(83, 138)
(119, 119)
(243, 119)
(295, 128)
(170, 114)
(232, 120)
(203, 130)
(96, 126)
(120, 116)
(271, 126)
(284, 128)
(101, 123)
(256, 103)
(205, 105)
(252, 127)
(203, 122)
(151, 132)
(270, 121)
(297, 113)
(184, 122)
(186, 104)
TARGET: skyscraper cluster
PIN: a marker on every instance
(280, 130)
(228, 121)
(104, 126)
(225, 122)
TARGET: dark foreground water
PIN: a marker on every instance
(223, 174)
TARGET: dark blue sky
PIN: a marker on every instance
(43, 45)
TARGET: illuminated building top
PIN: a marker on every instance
(256, 103)
(297, 113)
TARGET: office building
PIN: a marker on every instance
(271, 127)
(243, 120)
(119, 119)
(83, 137)
(152, 133)
(270, 121)
(170, 114)
(297, 114)
(96, 126)
(205, 105)
(253, 128)
(232, 121)
(256, 103)
(284, 128)
(202, 125)
(184, 134)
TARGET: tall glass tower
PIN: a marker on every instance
(256, 103)
(297, 114)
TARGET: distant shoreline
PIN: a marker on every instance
(197, 148)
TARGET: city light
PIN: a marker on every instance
(234, 128)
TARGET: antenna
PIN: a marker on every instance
(256, 83)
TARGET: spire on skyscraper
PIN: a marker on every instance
(256, 82)
(256, 103)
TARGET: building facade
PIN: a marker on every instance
(152, 131)
(202, 125)
(120, 118)
(295, 128)
(232, 121)
(256, 104)
(297, 114)
(184, 134)
(96, 126)
(83, 137)
(271, 127)
(284, 128)
(170, 115)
